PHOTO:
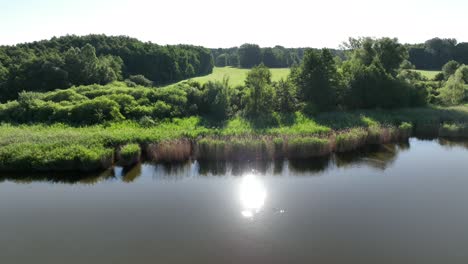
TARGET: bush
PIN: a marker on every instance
(96, 111)
(129, 154)
(453, 93)
(216, 100)
(64, 95)
(372, 87)
(140, 80)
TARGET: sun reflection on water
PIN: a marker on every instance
(252, 195)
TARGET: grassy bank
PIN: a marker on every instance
(61, 147)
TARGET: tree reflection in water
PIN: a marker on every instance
(376, 156)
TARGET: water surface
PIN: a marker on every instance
(405, 203)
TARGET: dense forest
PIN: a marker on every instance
(95, 59)
(436, 52)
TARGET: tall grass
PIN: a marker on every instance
(169, 150)
(308, 147)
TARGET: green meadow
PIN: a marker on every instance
(428, 74)
(237, 76)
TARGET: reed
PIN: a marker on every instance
(234, 148)
(350, 139)
(169, 150)
(308, 147)
(405, 131)
(279, 148)
(453, 130)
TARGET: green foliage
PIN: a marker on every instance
(222, 60)
(216, 100)
(286, 96)
(317, 79)
(260, 93)
(453, 93)
(95, 59)
(61, 147)
(140, 80)
(373, 87)
(3, 73)
(384, 51)
(450, 68)
(407, 65)
(464, 73)
(374, 79)
(129, 154)
(250, 55)
(96, 110)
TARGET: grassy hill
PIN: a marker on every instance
(237, 76)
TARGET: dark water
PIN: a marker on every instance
(393, 204)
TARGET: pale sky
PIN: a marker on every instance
(223, 23)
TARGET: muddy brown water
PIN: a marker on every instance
(405, 203)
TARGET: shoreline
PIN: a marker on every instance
(59, 147)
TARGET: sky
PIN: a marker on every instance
(228, 23)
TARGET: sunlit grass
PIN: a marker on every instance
(428, 74)
(237, 76)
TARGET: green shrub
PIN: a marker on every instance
(140, 80)
(129, 154)
(96, 111)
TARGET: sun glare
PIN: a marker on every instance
(252, 195)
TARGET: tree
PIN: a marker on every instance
(216, 99)
(140, 80)
(221, 60)
(450, 68)
(286, 97)
(464, 72)
(453, 93)
(388, 51)
(260, 94)
(407, 65)
(233, 60)
(81, 65)
(3, 73)
(269, 59)
(250, 55)
(317, 79)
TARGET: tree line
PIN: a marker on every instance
(430, 55)
(250, 55)
(95, 59)
(436, 52)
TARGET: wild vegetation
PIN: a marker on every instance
(95, 59)
(323, 105)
